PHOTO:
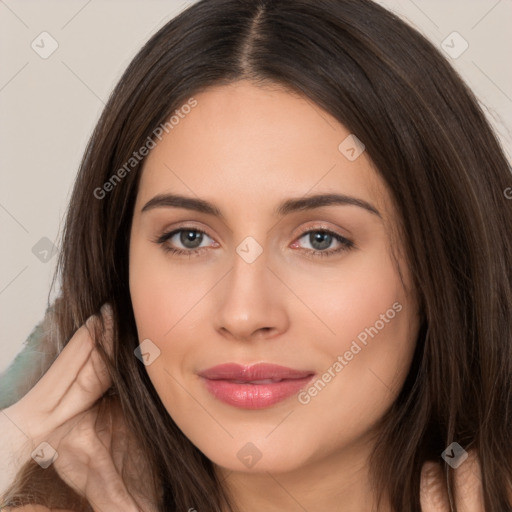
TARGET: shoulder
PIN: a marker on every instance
(36, 355)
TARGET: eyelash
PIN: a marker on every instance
(346, 244)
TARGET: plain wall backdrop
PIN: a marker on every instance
(59, 61)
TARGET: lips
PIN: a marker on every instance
(254, 387)
(258, 372)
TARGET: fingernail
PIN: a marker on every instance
(106, 309)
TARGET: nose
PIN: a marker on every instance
(251, 302)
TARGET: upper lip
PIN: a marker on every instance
(246, 373)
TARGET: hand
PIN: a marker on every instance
(76, 379)
(468, 487)
(72, 384)
(94, 454)
(90, 437)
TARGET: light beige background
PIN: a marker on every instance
(48, 108)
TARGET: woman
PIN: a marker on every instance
(340, 337)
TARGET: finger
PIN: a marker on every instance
(74, 448)
(114, 434)
(104, 425)
(119, 440)
(87, 467)
(127, 454)
(433, 493)
(468, 485)
(63, 371)
(86, 378)
(74, 358)
(33, 413)
(89, 384)
(74, 382)
(106, 321)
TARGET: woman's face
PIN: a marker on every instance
(265, 283)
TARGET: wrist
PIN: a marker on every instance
(16, 448)
(13, 431)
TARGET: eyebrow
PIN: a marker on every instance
(286, 207)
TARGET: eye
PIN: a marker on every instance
(321, 239)
(190, 238)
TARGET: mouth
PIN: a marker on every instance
(254, 387)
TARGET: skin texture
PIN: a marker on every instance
(198, 314)
(59, 405)
(92, 443)
(246, 149)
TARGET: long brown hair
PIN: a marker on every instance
(427, 136)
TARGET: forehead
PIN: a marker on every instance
(257, 144)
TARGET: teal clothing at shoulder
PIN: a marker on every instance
(36, 356)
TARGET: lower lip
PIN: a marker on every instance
(254, 396)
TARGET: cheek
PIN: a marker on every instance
(367, 359)
(168, 300)
(163, 292)
(345, 299)
(161, 295)
(366, 327)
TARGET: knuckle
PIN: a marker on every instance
(89, 325)
(80, 438)
(100, 368)
(79, 443)
(86, 379)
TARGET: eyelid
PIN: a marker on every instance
(167, 234)
(322, 226)
(345, 244)
(185, 225)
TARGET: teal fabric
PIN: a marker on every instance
(30, 363)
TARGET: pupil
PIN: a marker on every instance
(188, 237)
(324, 240)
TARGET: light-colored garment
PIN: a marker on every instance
(38, 353)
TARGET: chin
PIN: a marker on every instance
(252, 457)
